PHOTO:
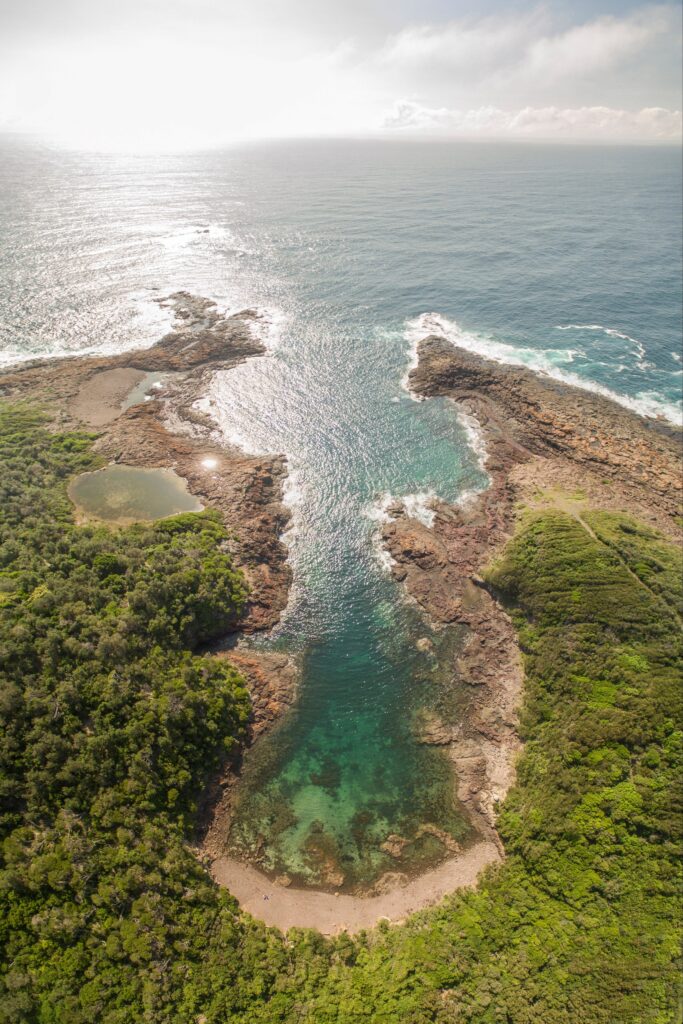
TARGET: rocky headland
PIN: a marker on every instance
(546, 444)
(141, 407)
(162, 428)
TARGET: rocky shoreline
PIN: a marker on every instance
(546, 444)
(162, 429)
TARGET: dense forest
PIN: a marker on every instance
(112, 724)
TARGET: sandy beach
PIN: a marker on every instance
(286, 908)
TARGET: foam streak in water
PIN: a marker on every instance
(542, 361)
(612, 332)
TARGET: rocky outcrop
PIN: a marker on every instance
(546, 443)
(525, 414)
(166, 430)
(201, 337)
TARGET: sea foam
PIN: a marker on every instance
(377, 512)
(546, 362)
(267, 326)
(612, 332)
(417, 506)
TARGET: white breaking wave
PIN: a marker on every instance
(475, 438)
(542, 361)
(412, 363)
(638, 346)
(597, 327)
(419, 505)
(267, 327)
(377, 512)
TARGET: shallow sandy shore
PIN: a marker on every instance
(308, 908)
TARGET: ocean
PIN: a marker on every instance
(566, 259)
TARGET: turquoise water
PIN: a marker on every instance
(125, 494)
(567, 259)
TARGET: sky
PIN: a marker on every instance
(150, 74)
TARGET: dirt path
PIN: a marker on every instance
(286, 908)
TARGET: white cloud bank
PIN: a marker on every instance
(185, 73)
(654, 124)
(528, 45)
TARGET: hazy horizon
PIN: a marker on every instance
(194, 75)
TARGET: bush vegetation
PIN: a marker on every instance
(111, 725)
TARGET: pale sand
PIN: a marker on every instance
(307, 908)
(99, 400)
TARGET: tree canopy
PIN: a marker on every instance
(112, 724)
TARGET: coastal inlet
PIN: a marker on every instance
(350, 792)
(349, 247)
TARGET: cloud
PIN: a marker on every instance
(529, 42)
(599, 45)
(579, 123)
(521, 59)
(192, 72)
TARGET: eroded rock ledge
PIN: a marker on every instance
(163, 429)
(547, 444)
(167, 431)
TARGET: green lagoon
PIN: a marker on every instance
(126, 494)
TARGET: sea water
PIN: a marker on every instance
(565, 259)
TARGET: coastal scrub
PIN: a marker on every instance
(111, 725)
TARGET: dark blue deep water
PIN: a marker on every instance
(567, 259)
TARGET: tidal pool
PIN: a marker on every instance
(144, 389)
(126, 494)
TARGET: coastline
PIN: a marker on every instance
(537, 454)
(332, 914)
(542, 443)
(166, 431)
